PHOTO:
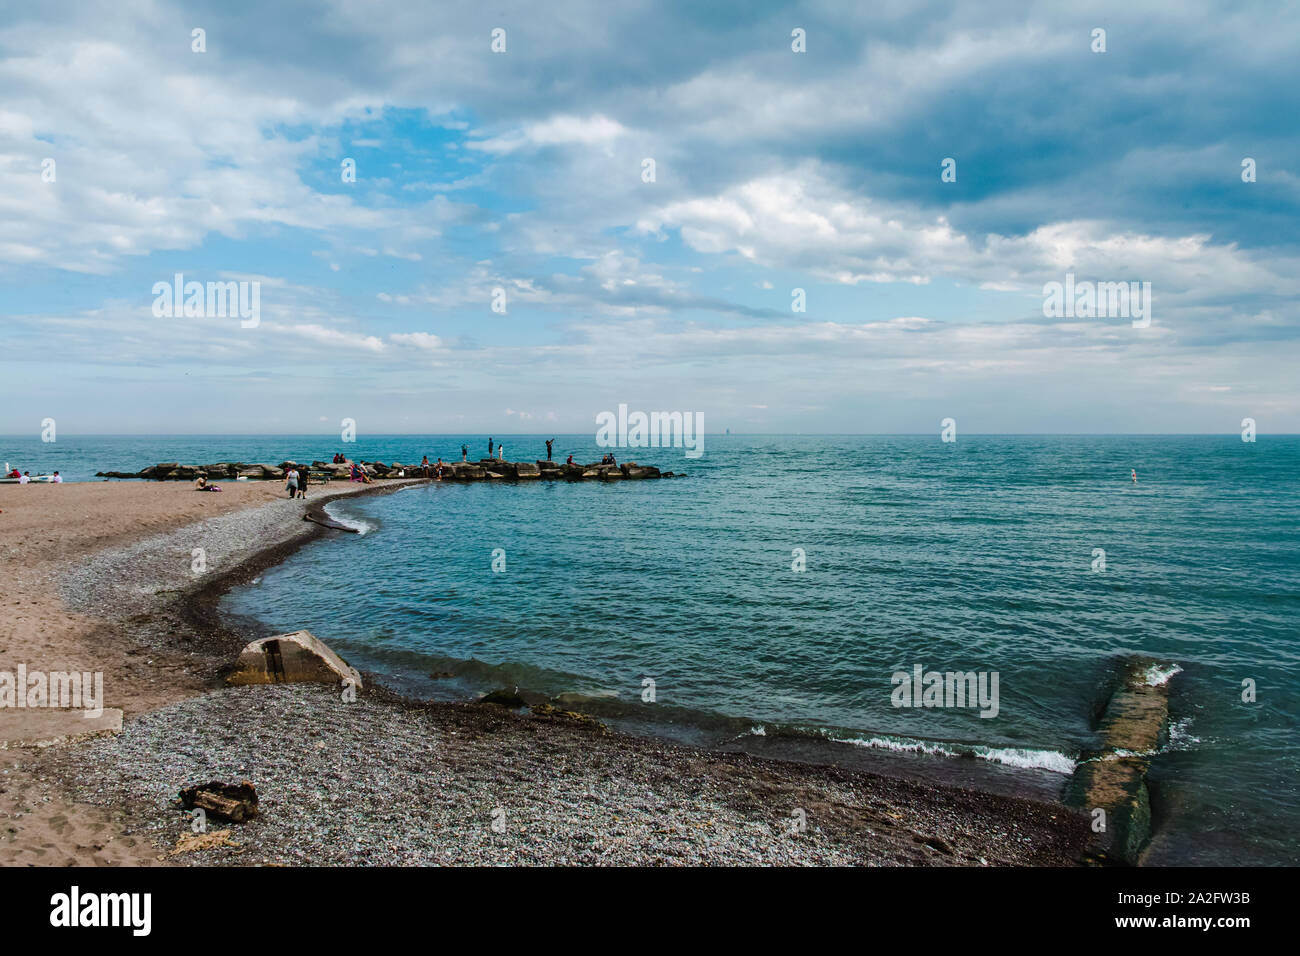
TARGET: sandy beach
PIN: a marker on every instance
(100, 577)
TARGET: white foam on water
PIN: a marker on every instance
(898, 746)
(758, 730)
(1159, 674)
(1052, 760)
(361, 525)
(1181, 736)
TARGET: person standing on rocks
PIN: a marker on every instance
(489, 447)
(549, 443)
(464, 452)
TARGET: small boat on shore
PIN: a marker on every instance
(9, 478)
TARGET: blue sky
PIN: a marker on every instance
(522, 171)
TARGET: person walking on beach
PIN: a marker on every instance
(291, 482)
(549, 443)
(303, 472)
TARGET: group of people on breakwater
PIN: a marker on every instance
(343, 468)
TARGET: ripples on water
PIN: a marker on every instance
(968, 556)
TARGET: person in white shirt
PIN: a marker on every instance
(57, 479)
(26, 478)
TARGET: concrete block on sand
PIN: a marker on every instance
(299, 657)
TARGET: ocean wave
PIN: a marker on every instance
(1021, 757)
(1159, 674)
(898, 746)
(1052, 760)
(361, 525)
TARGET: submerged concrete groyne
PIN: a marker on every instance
(486, 469)
(1111, 783)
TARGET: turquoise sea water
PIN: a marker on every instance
(977, 555)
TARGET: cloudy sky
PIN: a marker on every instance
(524, 171)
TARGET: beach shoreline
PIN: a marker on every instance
(608, 794)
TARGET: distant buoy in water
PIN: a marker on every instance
(1135, 476)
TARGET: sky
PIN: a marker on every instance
(521, 177)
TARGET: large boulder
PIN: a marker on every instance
(294, 658)
(526, 469)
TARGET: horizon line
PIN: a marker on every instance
(723, 434)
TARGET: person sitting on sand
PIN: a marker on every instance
(12, 474)
(201, 483)
(358, 474)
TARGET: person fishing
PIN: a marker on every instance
(489, 447)
(549, 443)
(464, 452)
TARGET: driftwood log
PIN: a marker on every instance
(234, 802)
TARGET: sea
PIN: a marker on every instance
(767, 600)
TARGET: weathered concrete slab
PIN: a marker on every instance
(294, 658)
(48, 726)
(1114, 779)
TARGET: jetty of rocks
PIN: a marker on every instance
(486, 469)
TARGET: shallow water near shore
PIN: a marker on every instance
(977, 555)
(974, 556)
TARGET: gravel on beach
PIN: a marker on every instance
(381, 781)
